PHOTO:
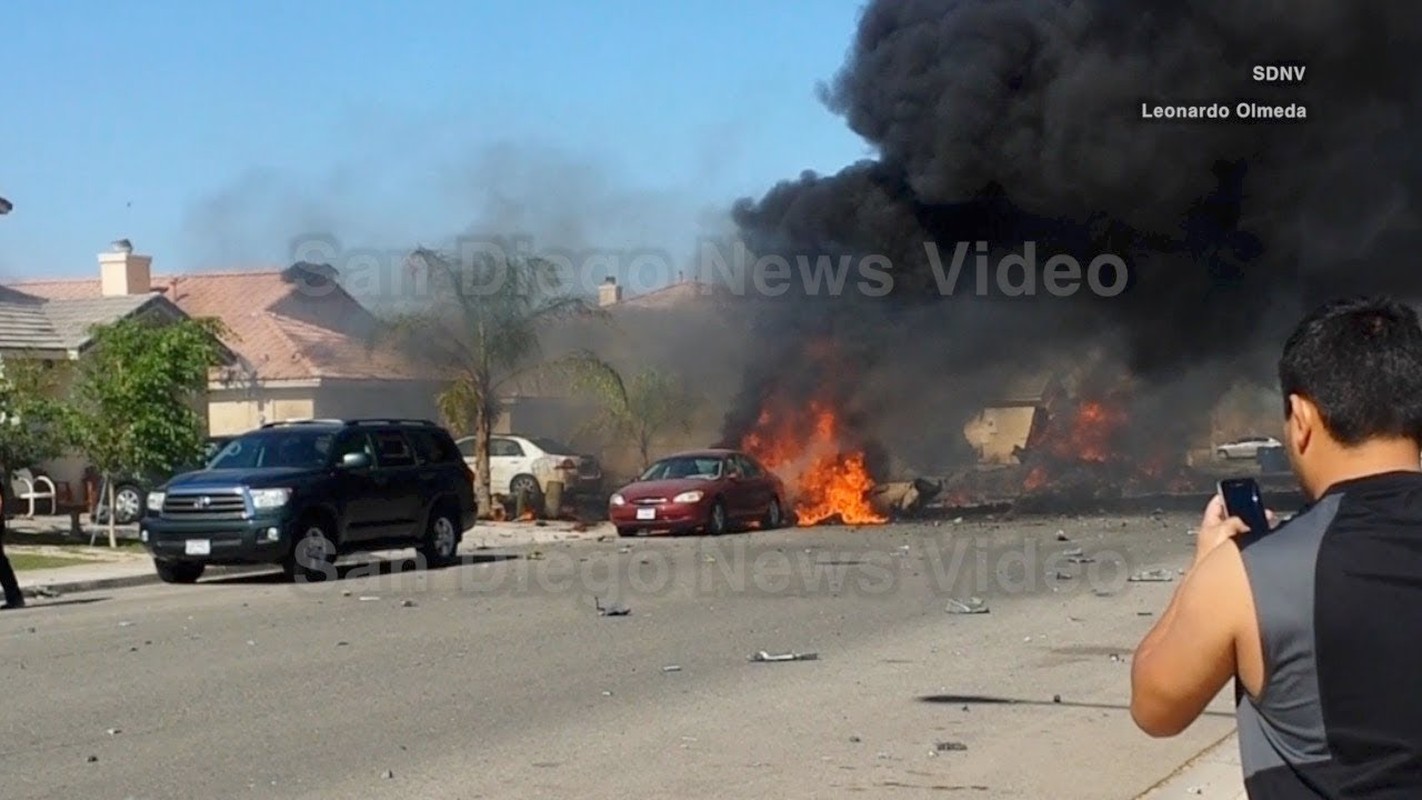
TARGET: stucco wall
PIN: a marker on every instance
(403, 399)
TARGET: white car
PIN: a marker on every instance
(1246, 447)
(529, 463)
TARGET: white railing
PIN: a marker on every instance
(32, 488)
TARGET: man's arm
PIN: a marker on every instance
(1189, 656)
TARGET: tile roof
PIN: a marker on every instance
(283, 332)
(675, 294)
(37, 323)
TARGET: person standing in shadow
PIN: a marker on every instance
(14, 598)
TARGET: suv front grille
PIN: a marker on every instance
(220, 504)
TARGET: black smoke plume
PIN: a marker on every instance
(1010, 121)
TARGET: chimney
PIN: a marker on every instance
(122, 272)
(609, 292)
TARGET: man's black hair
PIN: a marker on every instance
(1360, 361)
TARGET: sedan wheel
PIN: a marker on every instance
(716, 522)
(774, 518)
(128, 505)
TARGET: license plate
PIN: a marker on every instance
(198, 547)
(646, 513)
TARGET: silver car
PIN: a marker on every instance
(1246, 447)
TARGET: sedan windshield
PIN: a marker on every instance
(703, 467)
(303, 450)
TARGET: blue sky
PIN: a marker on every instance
(212, 134)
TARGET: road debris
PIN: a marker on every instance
(614, 610)
(367, 598)
(387, 774)
(113, 731)
(1056, 698)
(1062, 537)
(972, 605)
(764, 657)
(407, 603)
(92, 759)
(950, 747)
(671, 668)
(855, 740)
(1152, 576)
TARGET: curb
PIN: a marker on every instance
(91, 585)
(1197, 776)
(46, 590)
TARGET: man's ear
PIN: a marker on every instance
(1302, 422)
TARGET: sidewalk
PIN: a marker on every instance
(1214, 775)
(127, 570)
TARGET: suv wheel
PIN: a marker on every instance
(178, 571)
(441, 544)
(313, 553)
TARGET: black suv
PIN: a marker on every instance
(301, 493)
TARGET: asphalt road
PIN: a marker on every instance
(499, 678)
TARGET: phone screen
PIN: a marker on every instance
(1242, 499)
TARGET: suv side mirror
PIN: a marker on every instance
(355, 461)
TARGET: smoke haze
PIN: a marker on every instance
(547, 198)
(1019, 120)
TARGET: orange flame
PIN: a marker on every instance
(824, 481)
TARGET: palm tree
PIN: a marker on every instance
(481, 330)
(650, 405)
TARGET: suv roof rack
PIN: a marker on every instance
(349, 422)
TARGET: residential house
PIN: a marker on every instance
(680, 329)
(57, 332)
(303, 345)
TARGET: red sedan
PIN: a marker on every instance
(704, 490)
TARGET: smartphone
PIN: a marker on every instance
(1242, 499)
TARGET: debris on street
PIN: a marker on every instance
(763, 657)
(671, 668)
(972, 605)
(613, 610)
(1152, 576)
(950, 747)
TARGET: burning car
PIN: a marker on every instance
(715, 491)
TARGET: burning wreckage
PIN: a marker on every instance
(1083, 458)
(1011, 123)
